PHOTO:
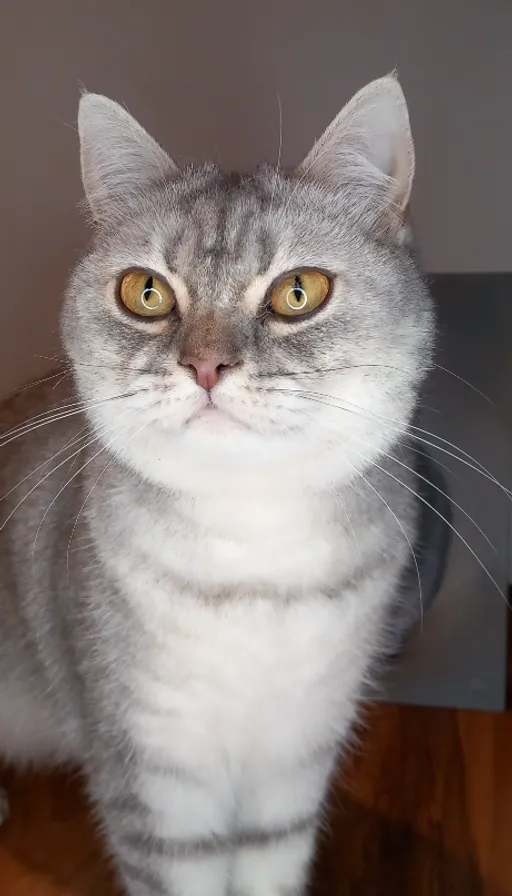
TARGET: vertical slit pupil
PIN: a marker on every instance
(148, 298)
(297, 289)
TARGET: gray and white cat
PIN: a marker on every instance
(203, 546)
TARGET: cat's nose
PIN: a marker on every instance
(208, 371)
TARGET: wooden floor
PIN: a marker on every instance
(422, 807)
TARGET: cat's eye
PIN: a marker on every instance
(146, 295)
(300, 293)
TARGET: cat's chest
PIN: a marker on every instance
(247, 678)
(245, 639)
(282, 540)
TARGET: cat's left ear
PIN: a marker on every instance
(118, 156)
(369, 144)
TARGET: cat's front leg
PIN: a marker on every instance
(167, 831)
(277, 868)
(278, 822)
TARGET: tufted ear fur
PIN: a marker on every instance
(117, 155)
(370, 143)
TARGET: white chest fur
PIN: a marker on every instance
(234, 692)
(268, 536)
(254, 676)
(248, 679)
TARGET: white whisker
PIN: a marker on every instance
(468, 384)
(69, 444)
(116, 368)
(89, 493)
(66, 406)
(424, 501)
(51, 472)
(57, 384)
(73, 477)
(408, 540)
(39, 382)
(276, 176)
(476, 465)
(349, 521)
(408, 371)
(45, 477)
(26, 429)
(443, 518)
(436, 488)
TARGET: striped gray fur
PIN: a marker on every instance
(198, 570)
(146, 846)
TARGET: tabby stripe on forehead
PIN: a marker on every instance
(172, 848)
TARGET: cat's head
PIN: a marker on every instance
(273, 322)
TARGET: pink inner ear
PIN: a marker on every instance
(372, 134)
(402, 172)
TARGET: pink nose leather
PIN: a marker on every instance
(208, 372)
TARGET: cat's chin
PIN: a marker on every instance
(212, 419)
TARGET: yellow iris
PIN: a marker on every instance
(146, 295)
(300, 293)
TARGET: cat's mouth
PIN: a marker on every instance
(215, 418)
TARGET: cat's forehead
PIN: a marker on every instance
(224, 225)
(230, 230)
(217, 237)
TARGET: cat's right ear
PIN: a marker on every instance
(118, 157)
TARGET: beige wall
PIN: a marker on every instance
(204, 77)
